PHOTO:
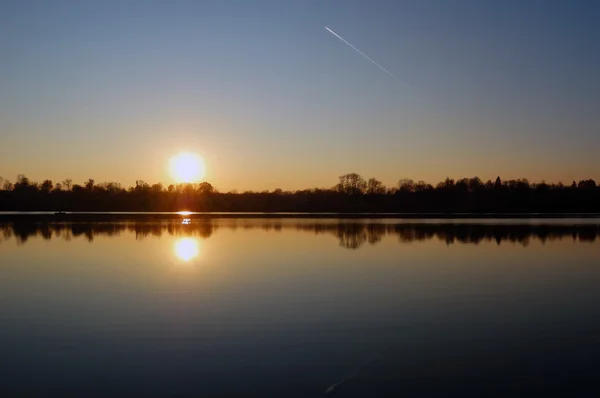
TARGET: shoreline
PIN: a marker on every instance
(111, 216)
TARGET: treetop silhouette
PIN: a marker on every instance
(352, 193)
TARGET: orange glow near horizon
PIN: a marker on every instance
(187, 167)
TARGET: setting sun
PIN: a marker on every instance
(187, 167)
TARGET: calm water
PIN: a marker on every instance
(299, 308)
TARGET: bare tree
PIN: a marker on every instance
(448, 184)
(375, 187)
(406, 185)
(141, 185)
(68, 184)
(89, 184)
(352, 184)
(422, 186)
(112, 186)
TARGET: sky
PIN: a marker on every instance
(110, 90)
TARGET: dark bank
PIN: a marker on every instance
(352, 194)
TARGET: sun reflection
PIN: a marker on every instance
(186, 249)
(184, 213)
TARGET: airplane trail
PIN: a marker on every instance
(364, 55)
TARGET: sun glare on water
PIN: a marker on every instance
(187, 167)
(186, 249)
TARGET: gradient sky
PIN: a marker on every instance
(111, 89)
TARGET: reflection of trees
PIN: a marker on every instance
(351, 235)
(476, 233)
(22, 231)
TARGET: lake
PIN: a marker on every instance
(299, 308)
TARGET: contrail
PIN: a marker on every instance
(364, 55)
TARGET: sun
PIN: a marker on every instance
(187, 167)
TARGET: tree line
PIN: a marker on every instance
(352, 193)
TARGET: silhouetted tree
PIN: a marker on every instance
(22, 182)
(375, 187)
(498, 183)
(463, 195)
(352, 184)
(422, 186)
(141, 185)
(89, 184)
(78, 189)
(156, 188)
(475, 184)
(462, 185)
(541, 188)
(205, 188)
(68, 184)
(447, 184)
(587, 184)
(46, 186)
(7, 186)
(112, 187)
(406, 185)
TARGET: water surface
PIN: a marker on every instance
(299, 308)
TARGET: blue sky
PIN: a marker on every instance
(270, 99)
